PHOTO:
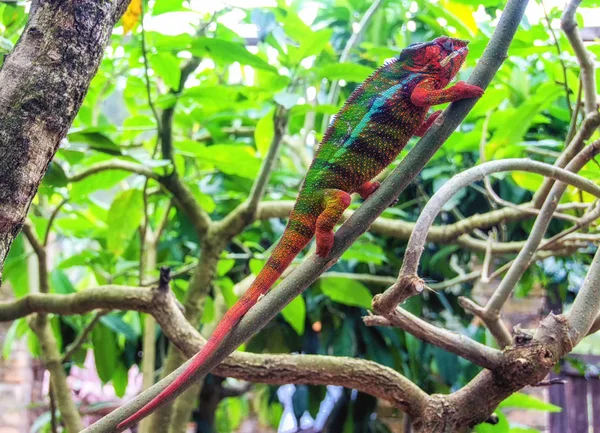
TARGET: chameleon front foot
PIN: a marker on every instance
(367, 189)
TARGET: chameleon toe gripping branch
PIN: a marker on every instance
(368, 133)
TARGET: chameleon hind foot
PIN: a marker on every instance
(335, 203)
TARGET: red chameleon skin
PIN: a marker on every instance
(368, 133)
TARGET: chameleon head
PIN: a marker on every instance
(441, 57)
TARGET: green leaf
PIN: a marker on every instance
(295, 314)
(311, 43)
(9, 338)
(224, 266)
(264, 132)
(16, 267)
(60, 283)
(104, 342)
(346, 291)
(96, 140)
(120, 380)
(230, 413)
(124, 217)
(232, 159)
(345, 71)
(365, 252)
(226, 52)
(116, 323)
(164, 6)
(166, 65)
(524, 401)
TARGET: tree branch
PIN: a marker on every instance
(586, 63)
(408, 283)
(586, 306)
(453, 342)
(306, 273)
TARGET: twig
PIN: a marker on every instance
(82, 337)
(146, 74)
(539, 228)
(53, 420)
(114, 164)
(588, 126)
(453, 342)
(586, 306)
(40, 252)
(561, 61)
(51, 219)
(586, 64)
(408, 283)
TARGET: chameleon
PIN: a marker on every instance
(373, 126)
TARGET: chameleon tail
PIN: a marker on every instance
(298, 233)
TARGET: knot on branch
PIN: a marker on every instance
(521, 336)
(405, 287)
(164, 279)
(556, 333)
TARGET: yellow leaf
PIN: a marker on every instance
(132, 15)
(463, 13)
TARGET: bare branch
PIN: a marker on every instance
(586, 306)
(82, 337)
(114, 164)
(408, 282)
(569, 26)
(40, 252)
(525, 257)
(58, 378)
(453, 342)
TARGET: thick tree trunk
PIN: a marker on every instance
(42, 85)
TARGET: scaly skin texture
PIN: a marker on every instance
(368, 133)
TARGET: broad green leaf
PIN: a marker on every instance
(264, 132)
(124, 217)
(167, 67)
(164, 6)
(116, 323)
(311, 43)
(295, 314)
(60, 283)
(230, 413)
(226, 52)
(9, 338)
(16, 267)
(345, 71)
(232, 159)
(346, 291)
(525, 401)
(365, 252)
(96, 140)
(104, 342)
(224, 266)
(528, 181)
(120, 380)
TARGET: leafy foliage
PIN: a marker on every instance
(221, 126)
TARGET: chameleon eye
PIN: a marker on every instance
(448, 45)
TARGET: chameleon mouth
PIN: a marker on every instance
(452, 55)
